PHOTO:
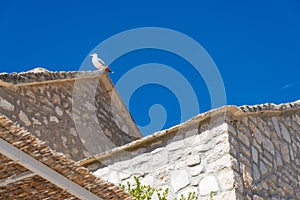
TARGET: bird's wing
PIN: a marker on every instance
(101, 61)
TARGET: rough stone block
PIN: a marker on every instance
(53, 119)
(23, 117)
(254, 154)
(113, 177)
(59, 111)
(256, 173)
(124, 175)
(225, 195)
(6, 105)
(148, 180)
(278, 159)
(191, 133)
(267, 144)
(179, 179)
(196, 170)
(244, 138)
(175, 145)
(226, 180)
(285, 152)
(263, 168)
(208, 184)
(285, 133)
(193, 160)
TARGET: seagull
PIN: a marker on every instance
(98, 63)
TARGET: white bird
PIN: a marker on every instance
(98, 63)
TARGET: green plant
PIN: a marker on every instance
(211, 195)
(146, 192)
(191, 196)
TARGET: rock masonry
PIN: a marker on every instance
(247, 152)
(234, 152)
(73, 112)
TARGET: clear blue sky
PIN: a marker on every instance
(255, 44)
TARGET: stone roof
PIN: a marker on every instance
(42, 75)
(18, 182)
(270, 107)
(210, 115)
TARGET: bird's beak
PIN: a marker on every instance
(91, 54)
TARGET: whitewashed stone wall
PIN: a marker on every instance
(191, 159)
(242, 154)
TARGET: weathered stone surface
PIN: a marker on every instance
(51, 109)
(157, 150)
(179, 179)
(196, 170)
(36, 122)
(226, 180)
(219, 164)
(192, 133)
(113, 177)
(192, 140)
(267, 143)
(23, 117)
(59, 111)
(285, 152)
(6, 105)
(53, 119)
(256, 197)
(193, 160)
(148, 180)
(256, 173)
(246, 174)
(102, 172)
(208, 184)
(259, 148)
(244, 138)
(285, 133)
(227, 166)
(225, 195)
(275, 124)
(30, 94)
(175, 145)
(278, 159)
(254, 154)
(263, 168)
(124, 175)
(296, 118)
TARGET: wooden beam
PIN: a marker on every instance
(45, 172)
(16, 178)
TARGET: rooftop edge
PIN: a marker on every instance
(41, 75)
(235, 110)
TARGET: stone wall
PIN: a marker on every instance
(192, 157)
(77, 124)
(266, 151)
(237, 153)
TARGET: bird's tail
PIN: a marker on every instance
(108, 70)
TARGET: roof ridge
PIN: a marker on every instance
(41, 75)
(270, 107)
(235, 110)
